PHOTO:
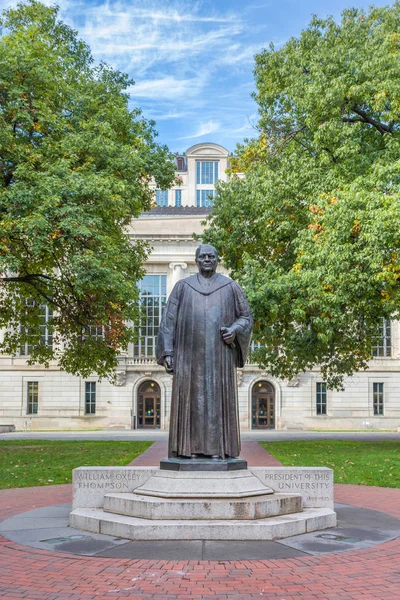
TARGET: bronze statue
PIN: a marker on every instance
(204, 336)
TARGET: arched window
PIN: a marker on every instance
(148, 405)
(263, 405)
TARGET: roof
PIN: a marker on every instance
(173, 211)
(210, 146)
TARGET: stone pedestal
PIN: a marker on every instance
(202, 484)
(202, 464)
(201, 505)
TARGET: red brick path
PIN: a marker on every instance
(369, 574)
(255, 455)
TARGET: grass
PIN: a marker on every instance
(37, 462)
(353, 430)
(363, 463)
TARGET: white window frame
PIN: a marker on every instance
(386, 394)
(44, 331)
(141, 347)
(384, 348)
(91, 402)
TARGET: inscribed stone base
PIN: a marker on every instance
(91, 484)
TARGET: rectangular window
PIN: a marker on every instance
(94, 331)
(41, 334)
(321, 398)
(32, 398)
(378, 398)
(180, 163)
(178, 197)
(206, 172)
(383, 343)
(205, 197)
(90, 397)
(162, 197)
(152, 300)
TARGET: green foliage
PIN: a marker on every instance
(313, 229)
(361, 463)
(34, 462)
(75, 168)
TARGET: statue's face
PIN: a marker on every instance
(207, 260)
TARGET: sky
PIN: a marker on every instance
(192, 61)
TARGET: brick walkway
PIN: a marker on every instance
(255, 455)
(369, 574)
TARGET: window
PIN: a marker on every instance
(383, 345)
(321, 398)
(90, 397)
(206, 172)
(178, 197)
(255, 346)
(32, 398)
(205, 197)
(180, 163)
(378, 398)
(94, 331)
(152, 300)
(42, 334)
(162, 197)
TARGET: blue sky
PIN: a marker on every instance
(192, 61)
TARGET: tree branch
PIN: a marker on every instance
(289, 137)
(8, 178)
(26, 278)
(333, 157)
(365, 118)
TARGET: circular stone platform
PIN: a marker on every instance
(47, 529)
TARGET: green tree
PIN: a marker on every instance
(75, 168)
(312, 231)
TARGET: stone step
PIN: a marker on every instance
(203, 484)
(147, 507)
(132, 528)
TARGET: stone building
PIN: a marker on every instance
(36, 398)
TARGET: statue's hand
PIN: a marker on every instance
(169, 364)
(228, 334)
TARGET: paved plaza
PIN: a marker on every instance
(359, 560)
(272, 435)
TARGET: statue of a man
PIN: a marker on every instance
(204, 336)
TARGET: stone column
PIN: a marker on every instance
(178, 272)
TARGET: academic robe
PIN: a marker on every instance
(204, 410)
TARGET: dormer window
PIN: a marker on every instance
(180, 163)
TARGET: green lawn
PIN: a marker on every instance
(34, 462)
(364, 463)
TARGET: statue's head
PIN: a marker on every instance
(207, 259)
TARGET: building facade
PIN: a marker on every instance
(34, 398)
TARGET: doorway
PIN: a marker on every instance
(263, 406)
(149, 406)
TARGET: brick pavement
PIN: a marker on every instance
(369, 574)
(255, 455)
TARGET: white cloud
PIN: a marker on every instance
(168, 116)
(166, 88)
(191, 60)
(173, 15)
(238, 53)
(204, 129)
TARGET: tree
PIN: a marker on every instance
(312, 231)
(75, 168)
